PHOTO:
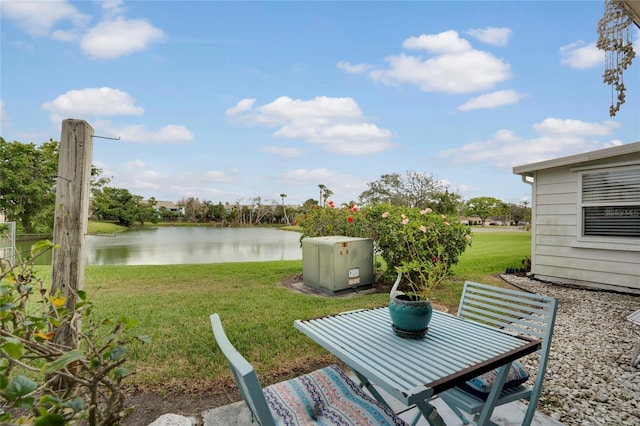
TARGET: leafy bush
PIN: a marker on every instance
(43, 382)
(419, 243)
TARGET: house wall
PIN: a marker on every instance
(558, 255)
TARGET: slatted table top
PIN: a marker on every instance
(454, 350)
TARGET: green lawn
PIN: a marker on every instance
(173, 302)
(94, 227)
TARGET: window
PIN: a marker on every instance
(611, 203)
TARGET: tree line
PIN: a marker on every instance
(28, 185)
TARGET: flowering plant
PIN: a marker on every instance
(43, 382)
(422, 246)
(419, 243)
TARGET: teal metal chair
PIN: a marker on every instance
(326, 396)
(526, 314)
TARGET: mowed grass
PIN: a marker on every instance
(172, 304)
(94, 227)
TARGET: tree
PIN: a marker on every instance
(447, 203)
(146, 212)
(322, 189)
(326, 194)
(484, 207)
(284, 208)
(261, 210)
(520, 212)
(503, 212)
(309, 204)
(28, 183)
(192, 208)
(207, 211)
(218, 212)
(119, 205)
(413, 189)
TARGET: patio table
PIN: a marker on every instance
(413, 371)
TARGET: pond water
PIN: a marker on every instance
(187, 244)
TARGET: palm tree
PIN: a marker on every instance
(327, 193)
(322, 189)
(284, 209)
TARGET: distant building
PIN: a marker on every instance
(169, 205)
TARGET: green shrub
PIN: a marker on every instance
(421, 244)
(43, 382)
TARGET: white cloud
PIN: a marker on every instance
(289, 152)
(447, 42)
(492, 100)
(456, 67)
(558, 138)
(568, 127)
(175, 184)
(66, 35)
(103, 101)
(242, 106)
(38, 18)
(312, 176)
(119, 37)
(337, 124)
(171, 134)
(113, 37)
(491, 35)
(581, 55)
(112, 7)
(354, 69)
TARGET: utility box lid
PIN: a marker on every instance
(335, 264)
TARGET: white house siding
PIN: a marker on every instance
(557, 254)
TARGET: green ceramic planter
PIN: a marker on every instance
(409, 317)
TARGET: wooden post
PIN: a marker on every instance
(71, 217)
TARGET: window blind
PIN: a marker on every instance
(617, 186)
(618, 221)
(611, 203)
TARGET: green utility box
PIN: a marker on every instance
(337, 264)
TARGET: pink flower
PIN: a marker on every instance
(423, 228)
(385, 214)
(425, 211)
(405, 221)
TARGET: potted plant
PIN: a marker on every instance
(423, 254)
(418, 245)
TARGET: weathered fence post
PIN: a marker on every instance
(71, 217)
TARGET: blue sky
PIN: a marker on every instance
(229, 101)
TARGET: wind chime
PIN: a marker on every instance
(614, 37)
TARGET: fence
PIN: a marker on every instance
(8, 241)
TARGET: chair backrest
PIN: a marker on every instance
(518, 312)
(244, 375)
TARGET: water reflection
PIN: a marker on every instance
(183, 245)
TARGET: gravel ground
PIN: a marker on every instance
(589, 378)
